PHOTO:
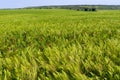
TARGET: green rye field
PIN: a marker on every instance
(57, 44)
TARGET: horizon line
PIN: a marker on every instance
(63, 5)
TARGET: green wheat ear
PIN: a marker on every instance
(58, 44)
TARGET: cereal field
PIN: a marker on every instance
(57, 44)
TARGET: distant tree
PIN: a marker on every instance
(78, 9)
(93, 9)
(86, 9)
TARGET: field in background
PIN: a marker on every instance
(59, 45)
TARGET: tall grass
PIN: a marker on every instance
(59, 45)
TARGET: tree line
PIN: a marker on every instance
(79, 7)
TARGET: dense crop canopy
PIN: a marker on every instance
(59, 45)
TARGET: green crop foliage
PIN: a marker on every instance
(57, 44)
